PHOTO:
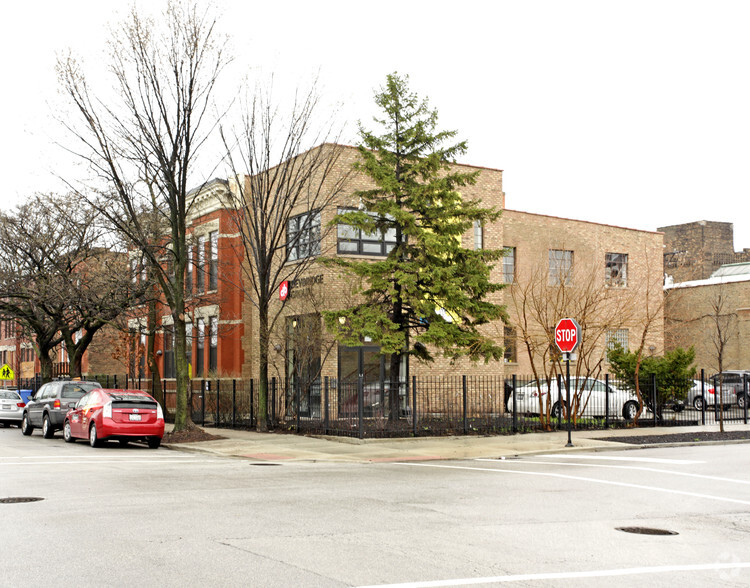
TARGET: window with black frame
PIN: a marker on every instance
(354, 241)
(213, 264)
(169, 367)
(199, 347)
(213, 342)
(303, 236)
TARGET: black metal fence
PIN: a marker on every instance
(460, 405)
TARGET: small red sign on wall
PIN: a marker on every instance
(284, 290)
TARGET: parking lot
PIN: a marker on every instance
(118, 516)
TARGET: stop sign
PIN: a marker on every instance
(567, 335)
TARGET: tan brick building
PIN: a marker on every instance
(608, 278)
(713, 316)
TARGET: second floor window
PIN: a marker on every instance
(200, 266)
(303, 236)
(509, 265)
(213, 264)
(189, 271)
(560, 267)
(616, 269)
(356, 242)
(478, 235)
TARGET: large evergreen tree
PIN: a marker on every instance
(430, 293)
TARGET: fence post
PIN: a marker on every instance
(560, 402)
(465, 401)
(653, 396)
(234, 403)
(203, 403)
(414, 405)
(606, 401)
(514, 426)
(218, 384)
(115, 380)
(325, 403)
(744, 396)
(703, 396)
(127, 387)
(273, 401)
(360, 404)
(252, 401)
(297, 402)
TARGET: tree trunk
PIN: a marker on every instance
(153, 367)
(45, 367)
(183, 414)
(394, 410)
(262, 419)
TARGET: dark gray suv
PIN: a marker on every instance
(48, 407)
(733, 386)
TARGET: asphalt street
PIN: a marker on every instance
(115, 516)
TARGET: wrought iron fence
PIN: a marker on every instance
(460, 405)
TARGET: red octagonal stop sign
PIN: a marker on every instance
(567, 335)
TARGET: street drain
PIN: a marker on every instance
(263, 463)
(646, 531)
(18, 499)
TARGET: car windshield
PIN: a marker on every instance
(76, 391)
(8, 395)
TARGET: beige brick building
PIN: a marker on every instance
(616, 263)
(713, 316)
(608, 278)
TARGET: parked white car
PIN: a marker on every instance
(590, 393)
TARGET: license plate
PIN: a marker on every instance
(6, 406)
(135, 417)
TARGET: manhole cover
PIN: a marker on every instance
(17, 499)
(262, 463)
(646, 531)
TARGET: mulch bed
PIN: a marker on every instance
(193, 435)
(681, 437)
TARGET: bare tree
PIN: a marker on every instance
(279, 204)
(142, 147)
(539, 301)
(59, 278)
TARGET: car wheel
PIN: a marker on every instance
(741, 400)
(67, 433)
(26, 427)
(698, 403)
(557, 410)
(629, 410)
(678, 407)
(154, 442)
(93, 439)
(47, 431)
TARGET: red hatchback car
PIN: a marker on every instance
(124, 415)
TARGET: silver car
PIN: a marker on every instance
(11, 408)
(588, 395)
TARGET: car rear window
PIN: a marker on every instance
(7, 395)
(77, 390)
(132, 401)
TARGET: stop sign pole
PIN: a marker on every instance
(567, 337)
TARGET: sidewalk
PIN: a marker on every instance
(284, 447)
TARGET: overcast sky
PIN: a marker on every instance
(631, 113)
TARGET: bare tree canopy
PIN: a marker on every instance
(288, 180)
(61, 276)
(142, 147)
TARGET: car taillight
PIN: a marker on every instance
(20, 404)
(159, 412)
(56, 403)
(107, 411)
(711, 391)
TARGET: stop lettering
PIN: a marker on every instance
(567, 335)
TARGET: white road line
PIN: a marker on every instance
(143, 461)
(619, 467)
(580, 478)
(102, 456)
(618, 458)
(567, 575)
